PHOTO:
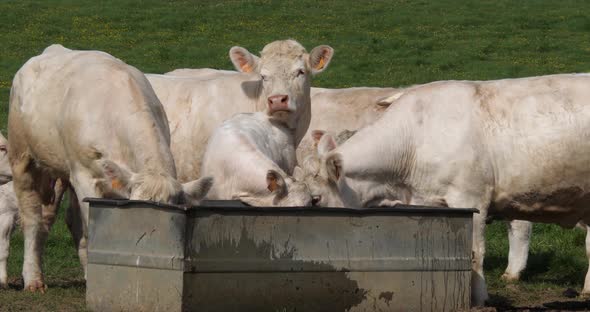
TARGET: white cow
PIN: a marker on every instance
(518, 148)
(251, 158)
(90, 119)
(277, 83)
(333, 110)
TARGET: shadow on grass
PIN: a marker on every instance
(549, 267)
(503, 304)
(18, 283)
(499, 302)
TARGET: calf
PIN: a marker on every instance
(250, 157)
(90, 119)
(518, 148)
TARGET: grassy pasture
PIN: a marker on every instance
(377, 43)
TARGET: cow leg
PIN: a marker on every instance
(461, 198)
(519, 234)
(75, 225)
(479, 291)
(7, 221)
(586, 290)
(28, 183)
(84, 187)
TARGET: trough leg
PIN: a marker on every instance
(519, 235)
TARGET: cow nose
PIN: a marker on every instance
(279, 100)
(315, 200)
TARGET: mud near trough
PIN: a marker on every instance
(518, 298)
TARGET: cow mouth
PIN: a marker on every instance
(284, 110)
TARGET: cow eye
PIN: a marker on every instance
(3, 149)
(263, 77)
(300, 72)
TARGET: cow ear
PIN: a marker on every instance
(195, 191)
(243, 60)
(388, 100)
(326, 144)
(316, 135)
(248, 199)
(333, 165)
(118, 177)
(276, 183)
(116, 182)
(319, 58)
(298, 173)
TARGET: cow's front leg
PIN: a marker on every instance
(479, 291)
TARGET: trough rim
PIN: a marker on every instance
(235, 206)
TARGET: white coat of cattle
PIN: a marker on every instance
(332, 110)
(5, 172)
(92, 120)
(8, 219)
(277, 83)
(251, 158)
(8, 210)
(335, 110)
(518, 148)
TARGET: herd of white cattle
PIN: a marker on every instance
(87, 122)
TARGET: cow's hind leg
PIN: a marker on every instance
(519, 235)
(28, 184)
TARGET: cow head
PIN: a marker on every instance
(332, 186)
(285, 70)
(281, 191)
(119, 182)
(5, 171)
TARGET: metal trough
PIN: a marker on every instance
(223, 256)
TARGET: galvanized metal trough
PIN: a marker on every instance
(224, 256)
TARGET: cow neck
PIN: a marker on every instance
(150, 148)
(384, 150)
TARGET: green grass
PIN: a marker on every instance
(377, 43)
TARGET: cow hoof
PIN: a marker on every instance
(510, 278)
(585, 294)
(36, 286)
(3, 285)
